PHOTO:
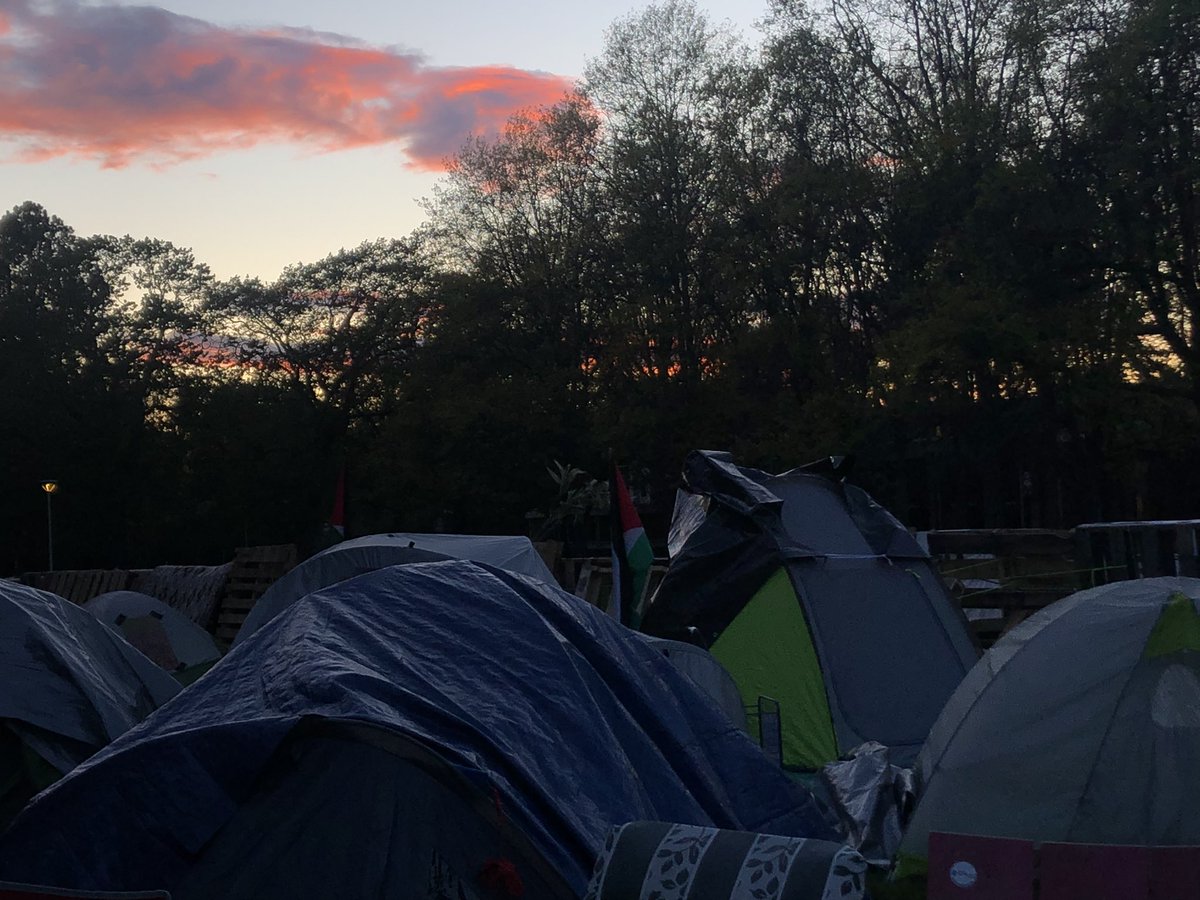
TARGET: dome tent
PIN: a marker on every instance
(1082, 724)
(68, 687)
(375, 551)
(701, 667)
(527, 721)
(163, 634)
(810, 593)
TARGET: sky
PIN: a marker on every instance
(264, 133)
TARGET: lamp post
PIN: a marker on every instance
(50, 488)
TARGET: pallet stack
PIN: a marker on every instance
(80, 585)
(254, 570)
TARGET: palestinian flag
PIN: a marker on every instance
(631, 554)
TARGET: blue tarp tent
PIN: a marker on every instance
(377, 551)
(399, 732)
(68, 686)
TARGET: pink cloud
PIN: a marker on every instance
(136, 83)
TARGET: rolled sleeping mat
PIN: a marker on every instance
(690, 862)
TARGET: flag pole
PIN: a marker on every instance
(50, 487)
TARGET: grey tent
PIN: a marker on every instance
(68, 687)
(812, 594)
(163, 634)
(376, 551)
(703, 668)
(1082, 724)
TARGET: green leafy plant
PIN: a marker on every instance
(577, 498)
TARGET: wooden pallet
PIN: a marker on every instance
(594, 582)
(80, 585)
(254, 570)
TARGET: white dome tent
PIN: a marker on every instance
(1081, 725)
(376, 551)
(163, 634)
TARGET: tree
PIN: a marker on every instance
(522, 210)
(156, 315)
(63, 419)
(53, 295)
(811, 224)
(1139, 107)
(340, 331)
(477, 420)
(655, 82)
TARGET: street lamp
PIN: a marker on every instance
(50, 488)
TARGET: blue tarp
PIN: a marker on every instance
(571, 719)
(68, 685)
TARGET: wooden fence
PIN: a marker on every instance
(1002, 576)
(217, 598)
(998, 576)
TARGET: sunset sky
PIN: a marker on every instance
(262, 133)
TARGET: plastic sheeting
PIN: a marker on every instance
(571, 721)
(188, 644)
(1078, 725)
(68, 685)
(376, 551)
(873, 799)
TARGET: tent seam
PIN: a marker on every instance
(1112, 716)
(825, 681)
(979, 697)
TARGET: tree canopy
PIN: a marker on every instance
(959, 239)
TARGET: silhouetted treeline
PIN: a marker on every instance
(959, 239)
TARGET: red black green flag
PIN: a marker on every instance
(631, 554)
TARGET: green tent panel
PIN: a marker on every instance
(1177, 628)
(770, 649)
